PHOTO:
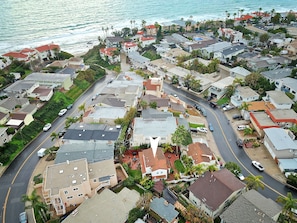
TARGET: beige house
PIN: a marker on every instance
(70, 183)
(292, 48)
(153, 86)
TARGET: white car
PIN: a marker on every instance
(228, 107)
(201, 129)
(47, 127)
(239, 175)
(62, 112)
(258, 165)
(242, 127)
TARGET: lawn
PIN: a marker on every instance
(136, 174)
(223, 101)
(194, 125)
(179, 166)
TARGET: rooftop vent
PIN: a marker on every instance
(74, 182)
(79, 135)
(61, 171)
(75, 168)
(103, 135)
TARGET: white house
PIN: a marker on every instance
(129, 47)
(243, 94)
(239, 72)
(147, 40)
(287, 84)
(109, 54)
(279, 99)
(232, 35)
(218, 89)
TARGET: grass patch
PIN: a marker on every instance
(152, 55)
(222, 101)
(136, 174)
(179, 166)
(194, 125)
(138, 189)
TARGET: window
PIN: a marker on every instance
(65, 192)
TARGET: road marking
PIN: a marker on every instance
(4, 206)
(229, 147)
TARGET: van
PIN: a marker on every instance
(41, 152)
(242, 127)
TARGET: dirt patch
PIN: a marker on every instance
(193, 111)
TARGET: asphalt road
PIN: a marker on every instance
(14, 181)
(225, 139)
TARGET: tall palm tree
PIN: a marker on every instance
(245, 106)
(289, 203)
(55, 136)
(69, 121)
(34, 199)
(212, 168)
(82, 107)
(254, 182)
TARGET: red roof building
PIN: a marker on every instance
(17, 55)
(47, 47)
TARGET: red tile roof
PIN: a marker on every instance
(150, 27)
(130, 44)
(27, 50)
(200, 152)
(147, 160)
(244, 17)
(108, 51)
(47, 47)
(147, 38)
(16, 55)
(140, 32)
(151, 86)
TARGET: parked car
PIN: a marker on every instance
(203, 111)
(239, 143)
(242, 127)
(23, 217)
(228, 107)
(239, 175)
(69, 106)
(62, 133)
(237, 116)
(62, 112)
(47, 127)
(198, 107)
(202, 129)
(213, 104)
(258, 165)
(210, 127)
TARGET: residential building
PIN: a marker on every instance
(147, 40)
(239, 72)
(227, 54)
(106, 115)
(252, 207)
(4, 137)
(17, 56)
(3, 118)
(18, 119)
(43, 93)
(163, 103)
(284, 118)
(144, 129)
(232, 35)
(138, 61)
(70, 183)
(114, 41)
(108, 202)
(287, 165)
(159, 67)
(201, 154)
(279, 144)
(218, 89)
(92, 151)
(11, 104)
(164, 210)
(243, 94)
(48, 51)
(263, 63)
(51, 79)
(20, 88)
(179, 72)
(214, 191)
(153, 162)
(129, 47)
(292, 48)
(110, 55)
(151, 30)
(275, 75)
(260, 121)
(172, 55)
(287, 84)
(153, 86)
(279, 99)
(216, 47)
(83, 133)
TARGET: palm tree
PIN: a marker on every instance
(82, 107)
(55, 136)
(143, 22)
(245, 106)
(69, 121)
(212, 168)
(248, 131)
(199, 169)
(167, 148)
(143, 104)
(195, 84)
(181, 137)
(289, 204)
(254, 182)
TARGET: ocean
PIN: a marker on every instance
(76, 24)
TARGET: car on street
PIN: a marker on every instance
(258, 165)
(198, 107)
(203, 111)
(69, 106)
(23, 217)
(62, 112)
(62, 133)
(213, 104)
(47, 127)
(239, 143)
(210, 127)
(239, 175)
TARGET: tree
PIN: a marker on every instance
(167, 148)
(174, 79)
(145, 201)
(134, 214)
(143, 104)
(233, 167)
(147, 183)
(289, 204)
(212, 168)
(195, 84)
(276, 18)
(195, 215)
(82, 107)
(181, 137)
(69, 121)
(187, 80)
(153, 104)
(264, 37)
(254, 182)
(245, 106)
(230, 91)
(55, 136)
(248, 131)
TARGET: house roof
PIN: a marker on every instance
(47, 47)
(86, 132)
(148, 160)
(92, 151)
(233, 49)
(108, 51)
(280, 115)
(244, 17)
(18, 116)
(10, 102)
(217, 46)
(42, 91)
(16, 55)
(279, 97)
(164, 209)
(101, 112)
(161, 102)
(260, 106)
(200, 153)
(221, 84)
(152, 84)
(107, 202)
(19, 86)
(129, 44)
(47, 77)
(262, 120)
(240, 70)
(277, 74)
(280, 139)
(251, 207)
(288, 164)
(150, 27)
(245, 92)
(154, 127)
(290, 82)
(216, 187)
(151, 113)
(114, 39)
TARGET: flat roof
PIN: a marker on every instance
(279, 97)
(280, 139)
(263, 119)
(284, 113)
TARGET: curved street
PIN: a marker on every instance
(225, 139)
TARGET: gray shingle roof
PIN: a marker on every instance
(164, 209)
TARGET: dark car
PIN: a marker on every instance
(213, 104)
(239, 143)
(237, 116)
(69, 106)
(61, 133)
(198, 107)
(203, 111)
